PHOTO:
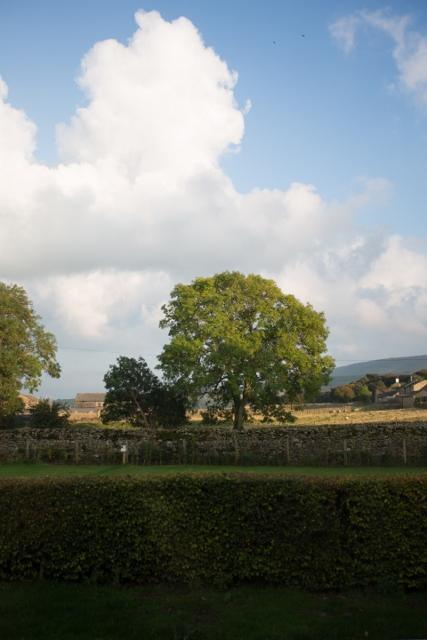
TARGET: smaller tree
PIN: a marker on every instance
(49, 415)
(344, 393)
(135, 394)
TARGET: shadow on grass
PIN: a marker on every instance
(49, 611)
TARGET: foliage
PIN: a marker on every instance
(345, 393)
(363, 389)
(49, 415)
(26, 349)
(209, 417)
(354, 391)
(243, 343)
(135, 394)
(363, 394)
(314, 533)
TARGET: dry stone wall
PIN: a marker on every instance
(357, 444)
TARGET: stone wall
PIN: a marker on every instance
(360, 444)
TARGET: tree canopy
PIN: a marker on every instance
(136, 394)
(26, 349)
(243, 342)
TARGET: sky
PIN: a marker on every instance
(145, 144)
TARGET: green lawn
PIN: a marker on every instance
(42, 470)
(49, 611)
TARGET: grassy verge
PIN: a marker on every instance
(55, 470)
(47, 611)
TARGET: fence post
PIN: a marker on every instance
(27, 449)
(345, 452)
(124, 450)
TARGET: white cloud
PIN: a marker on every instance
(169, 110)
(410, 46)
(397, 267)
(344, 31)
(93, 304)
(140, 201)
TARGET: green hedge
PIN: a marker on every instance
(312, 533)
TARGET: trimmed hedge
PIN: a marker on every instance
(312, 533)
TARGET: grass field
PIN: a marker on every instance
(48, 611)
(307, 416)
(357, 415)
(56, 470)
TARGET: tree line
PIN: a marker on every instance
(235, 340)
(367, 387)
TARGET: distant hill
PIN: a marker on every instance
(398, 366)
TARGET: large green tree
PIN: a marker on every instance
(26, 349)
(244, 343)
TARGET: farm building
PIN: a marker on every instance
(414, 393)
(89, 403)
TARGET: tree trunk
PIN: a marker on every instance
(239, 408)
(139, 410)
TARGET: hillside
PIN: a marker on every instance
(398, 366)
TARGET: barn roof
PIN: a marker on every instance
(90, 397)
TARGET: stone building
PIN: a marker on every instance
(89, 403)
(414, 394)
(411, 394)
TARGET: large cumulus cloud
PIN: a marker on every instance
(139, 201)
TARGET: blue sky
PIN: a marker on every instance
(320, 115)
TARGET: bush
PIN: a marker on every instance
(345, 393)
(310, 533)
(215, 416)
(49, 415)
(363, 394)
(209, 417)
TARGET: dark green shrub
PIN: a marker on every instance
(218, 416)
(135, 394)
(209, 417)
(345, 393)
(311, 533)
(49, 415)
